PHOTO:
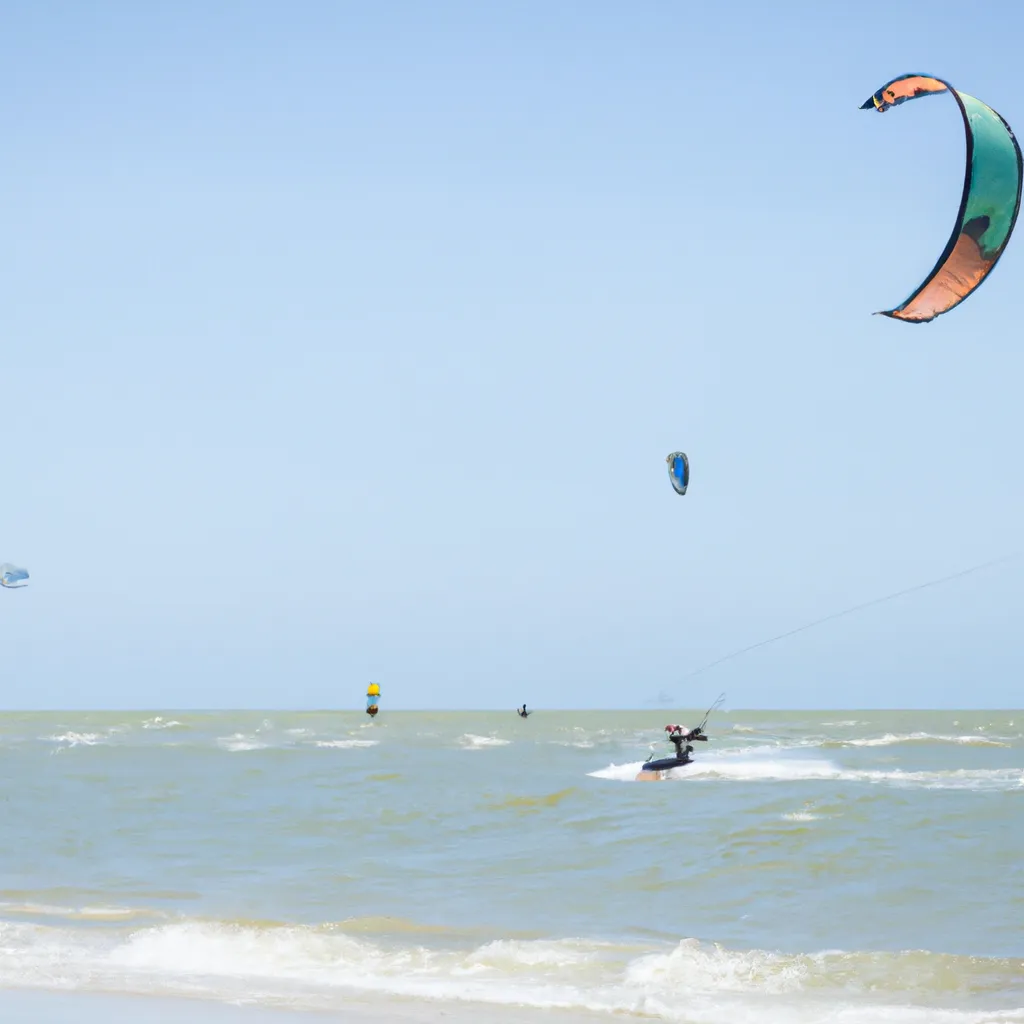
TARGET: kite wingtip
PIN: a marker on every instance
(893, 314)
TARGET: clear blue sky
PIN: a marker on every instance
(346, 341)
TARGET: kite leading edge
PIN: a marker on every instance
(988, 206)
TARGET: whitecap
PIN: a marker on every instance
(469, 741)
(78, 739)
(239, 742)
(345, 744)
(892, 739)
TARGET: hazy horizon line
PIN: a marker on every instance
(481, 710)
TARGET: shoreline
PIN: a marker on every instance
(50, 1006)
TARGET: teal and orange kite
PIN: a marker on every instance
(988, 207)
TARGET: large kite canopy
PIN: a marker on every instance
(988, 207)
(11, 575)
(678, 471)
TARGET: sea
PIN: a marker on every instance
(808, 868)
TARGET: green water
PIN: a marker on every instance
(804, 865)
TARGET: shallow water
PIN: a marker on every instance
(807, 865)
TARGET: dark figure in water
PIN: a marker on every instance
(678, 741)
(678, 735)
(522, 712)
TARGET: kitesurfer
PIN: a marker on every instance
(522, 712)
(678, 735)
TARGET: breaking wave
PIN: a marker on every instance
(320, 967)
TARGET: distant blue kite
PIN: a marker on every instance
(678, 471)
(11, 574)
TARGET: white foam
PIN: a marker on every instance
(159, 723)
(891, 739)
(618, 772)
(982, 779)
(885, 740)
(78, 739)
(345, 744)
(738, 768)
(319, 968)
(582, 739)
(240, 742)
(73, 738)
(756, 768)
(472, 742)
